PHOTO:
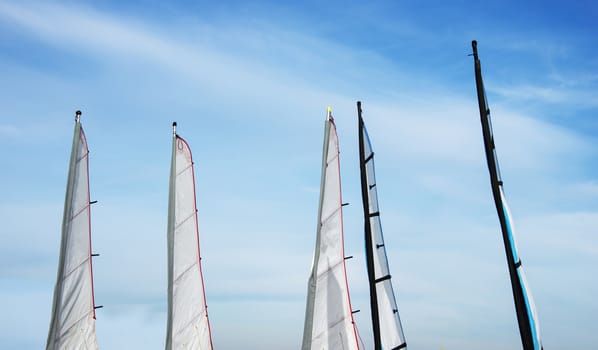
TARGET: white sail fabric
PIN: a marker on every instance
(329, 323)
(188, 326)
(527, 297)
(73, 314)
(391, 331)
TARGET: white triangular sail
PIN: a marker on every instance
(73, 314)
(389, 323)
(188, 325)
(329, 323)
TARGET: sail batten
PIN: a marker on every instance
(72, 324)
(188, 324)
(329, 323)
(527, 319)
(386, 324)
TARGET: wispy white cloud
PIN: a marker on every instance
(528, 92)
(586, 189)
(242, 63)
(548, 94)
(572, 233)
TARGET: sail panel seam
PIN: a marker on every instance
(203, 312)
(82, 157)
(184, 220)
(184, 272)
(184, 169)
(331, 160)
(344, 318)
(330, 215)
(329, 269)
(73, 325)
(78, 213)
(74, 269)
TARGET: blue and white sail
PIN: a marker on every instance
(527, 318)
(72, 324)
(386, 324)
(329, 323)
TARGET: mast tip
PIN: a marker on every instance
(77, 115)
(174, 124)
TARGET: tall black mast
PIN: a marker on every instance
(527, 327)
(369, 248)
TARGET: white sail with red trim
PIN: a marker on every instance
(188, 325)
(72, 325)
(329, 323)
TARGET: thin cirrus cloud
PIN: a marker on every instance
(221, 66)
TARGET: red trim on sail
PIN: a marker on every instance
(197, 235)
(338, 162)
(84, 144)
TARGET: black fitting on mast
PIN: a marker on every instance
(77, 115)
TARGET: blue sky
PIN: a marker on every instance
(249, 85)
